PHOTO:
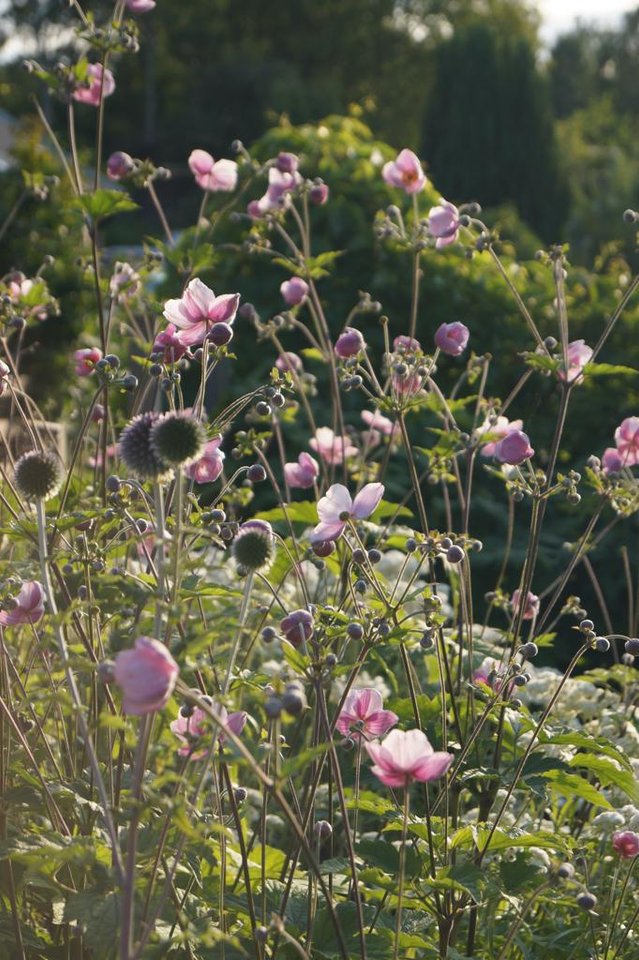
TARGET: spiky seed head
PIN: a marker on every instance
(137, 451)
(254, 546)
(38, 475)
(177, 439)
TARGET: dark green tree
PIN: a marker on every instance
(488, 132)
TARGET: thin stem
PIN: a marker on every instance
(75, 693)
(402, 870)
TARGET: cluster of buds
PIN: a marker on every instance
(121, 166)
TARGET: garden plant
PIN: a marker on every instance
(276, 646)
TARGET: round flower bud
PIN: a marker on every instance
(455, 554)
(528, 650)
(256, 473)
(177, 439)
(273, 708)
(355, 631)
(349, 343)
(566, 871)
(297, 627)
(240, 794)
(293, 700)
(601, 644)
(324, 548)
(587, 901)
(632, 647)
(137, 451)
(254, 546)
(322, 830)
(38, 475)
(318, 194)
(220, 334)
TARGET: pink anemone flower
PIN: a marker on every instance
(29, 605)
(362, 715)
(198, 310)
(337, 507)
(405, 756)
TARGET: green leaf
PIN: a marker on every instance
(98, 914)
(609, 774)
(105, 203)
(382, 854)
(608, 370)
(572, 785)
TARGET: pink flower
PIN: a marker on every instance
(287, 162)
(147, 674)
(376, 421)
(498, 429)
(211, 175)
(531, 607)
(208, 468)
(139, 6)
(452, 338)
(119, 165)
(611, 461)
(405, 756)
(5, 373)
(280, 184)
(514, 448)
(290, 362)
(318, 194)
(443, 223)
(97, 461)
(29, 605)
(349, 343)
(85, 360)
(192, 728)
(408, 384)
(626, 844)
(405, 172)
(125, 282)
(579, 354)
(404, 344)
(627, 440)
(487, 672)
(297, 627)
(168, 345)
(198, 310)
(294, 291)
(331, 447)
(362, 715)
(301, 475)
(99, 83)
(336, 508)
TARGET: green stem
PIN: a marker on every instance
(402, 870)
(73, 690)
(248, 586)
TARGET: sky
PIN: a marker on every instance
(560, 15)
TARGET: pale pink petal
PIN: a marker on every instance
(380, 722)
(367, 500)
(431, 767)
(200, 162)
(223, 308)
(336, 502)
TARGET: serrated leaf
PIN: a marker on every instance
(609, 774)
(105, 203)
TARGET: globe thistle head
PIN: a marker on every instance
(254, 545)
(38, 475)
(177, 439)
(137, 450)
